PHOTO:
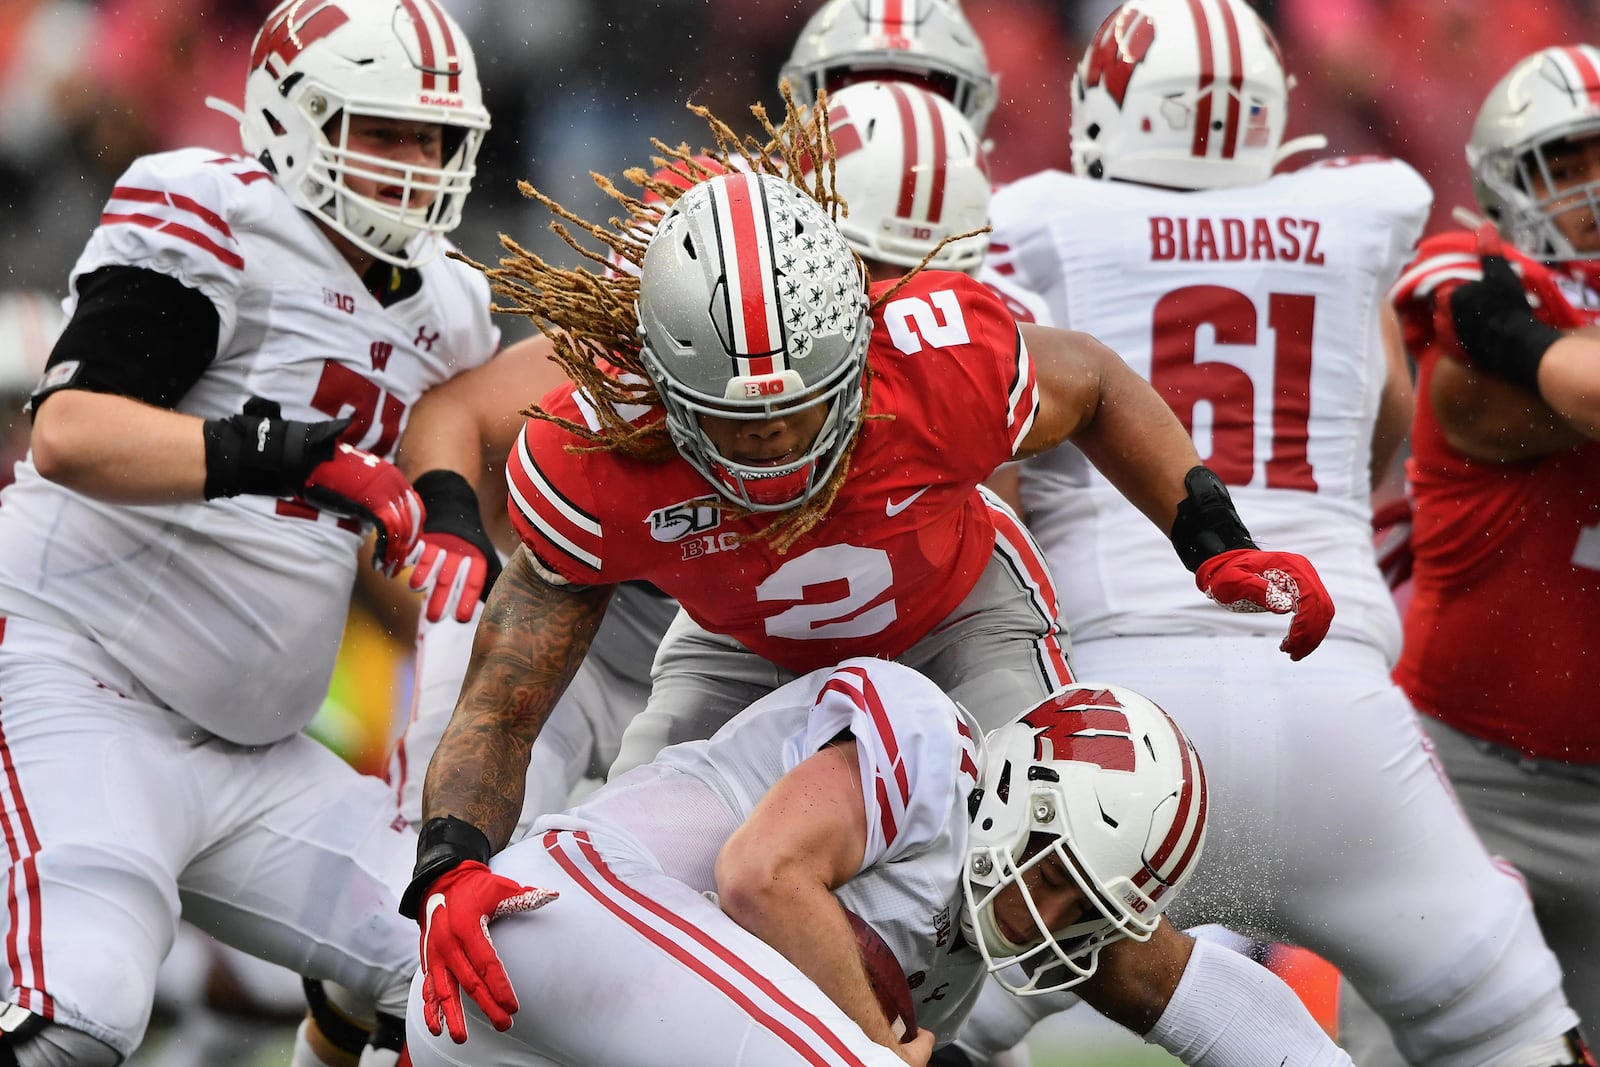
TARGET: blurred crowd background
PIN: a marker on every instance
(580, 85)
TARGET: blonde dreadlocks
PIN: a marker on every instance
(590, 314)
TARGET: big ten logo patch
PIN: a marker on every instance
(710, 545)
(343, 301)
(941, 926)
(683, 519)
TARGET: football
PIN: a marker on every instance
(888, 980)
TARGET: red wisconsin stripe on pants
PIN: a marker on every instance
(18, 828)
(647, 917)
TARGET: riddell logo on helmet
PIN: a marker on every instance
(1120, 45)
(441, 101)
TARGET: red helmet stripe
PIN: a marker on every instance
(1230, 26)
(1587, 72)
(1208, 75)
(452, 59)
(424, 42)
(747, 263)
(936, 193)
(910, 151)
(1186, 825)
(892, 14)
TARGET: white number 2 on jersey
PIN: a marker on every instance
(900, 315)
(850, 577)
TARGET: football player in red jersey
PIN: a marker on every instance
(1505, 606)
(795, 458)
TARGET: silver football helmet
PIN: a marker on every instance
(1549, 99)
(314, 65)
(911, 172)
(751, 306)
(928, 42)
(1118, 790)
(1189, 94)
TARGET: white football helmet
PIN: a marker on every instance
(1110, 777)
(911, 172)
(1189, 94)
(751, 305)
(317, 63)
(1551, 97)
(928, 42)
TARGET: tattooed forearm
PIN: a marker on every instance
(530, 641)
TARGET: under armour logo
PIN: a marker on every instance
(424, 339)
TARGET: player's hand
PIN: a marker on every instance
(361, 485)
(1248, 579)
(456, 563)
(456, 952)
(1494, 322)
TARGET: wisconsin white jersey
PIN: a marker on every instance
(919, 757)
(230, 612)
(1254, 312)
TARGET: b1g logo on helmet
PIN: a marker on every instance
(1120, 45)
(685, 518)
(1085, 726)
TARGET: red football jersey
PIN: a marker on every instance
(1504, 619)
(902, 545)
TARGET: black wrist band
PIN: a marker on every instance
(1513, 349)
(442, 844)
(1206, 525)
(448, 496)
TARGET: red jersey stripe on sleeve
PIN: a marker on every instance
(178, 230)
(175, 215)
(894, 791)
(1024, 397)
(563, 525)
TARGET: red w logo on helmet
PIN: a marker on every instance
(1120, 44)
(283, 40)
(1084, 726)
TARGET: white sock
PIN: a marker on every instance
(1229, 1011)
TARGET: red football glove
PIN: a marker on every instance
(361, 485)
(456, 563)
(1248, 579)
(456, 951)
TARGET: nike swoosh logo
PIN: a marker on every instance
(436, 902)
(891, 508)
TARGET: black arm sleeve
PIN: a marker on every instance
(136, 333)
